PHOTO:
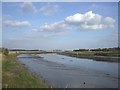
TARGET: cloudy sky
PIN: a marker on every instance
(60, 25)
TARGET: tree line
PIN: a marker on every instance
(100, 49)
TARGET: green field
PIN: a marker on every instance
(14, 75)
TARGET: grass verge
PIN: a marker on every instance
(14, 75)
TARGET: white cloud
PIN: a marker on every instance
(57, 27)
(85, 26)
(90, 20)
(109, 21)
(77, 18)
(11, 23)
(49, 9)
(35, 30)
(28, 7)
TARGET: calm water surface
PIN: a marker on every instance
(64, 71)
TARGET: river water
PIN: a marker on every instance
(63, 71)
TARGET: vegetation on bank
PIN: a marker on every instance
(4, 51)
(0, 70)
(98, 52)
(14, 75)
(95, 53)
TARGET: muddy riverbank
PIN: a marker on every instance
(90, 56)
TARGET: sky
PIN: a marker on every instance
(59, 25)
(60, 1)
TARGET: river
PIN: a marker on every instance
(69, 72)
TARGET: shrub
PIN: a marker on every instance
(5, 51)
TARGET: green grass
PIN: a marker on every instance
(104, 53)
(14, 75)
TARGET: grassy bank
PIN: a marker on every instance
(14, 75)
(0, 70)
(97, 53)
